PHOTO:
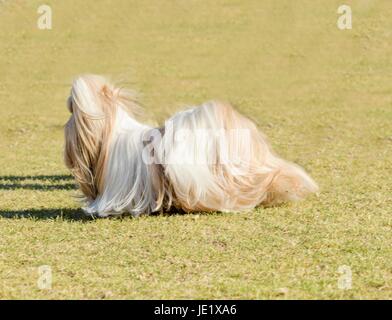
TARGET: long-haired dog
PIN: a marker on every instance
(206, 158)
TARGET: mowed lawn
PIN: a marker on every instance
(323, 96)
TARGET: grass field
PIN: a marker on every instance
(322, 95)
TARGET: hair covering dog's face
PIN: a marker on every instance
(87, 132)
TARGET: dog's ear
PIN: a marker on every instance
(123, 98)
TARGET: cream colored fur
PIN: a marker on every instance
(206, 158)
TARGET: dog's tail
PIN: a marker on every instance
(288, 182)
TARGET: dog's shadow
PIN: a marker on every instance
(39, 182)
(77, 214)
(62, 182)
(47, 214)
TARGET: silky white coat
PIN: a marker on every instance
(206, 158)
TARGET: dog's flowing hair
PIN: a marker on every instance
(206, 158)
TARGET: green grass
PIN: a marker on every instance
(322, 95)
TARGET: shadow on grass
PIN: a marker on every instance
(46, 214)
(78, 215)
(57, 177)
(17, 182)
(61, 182)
